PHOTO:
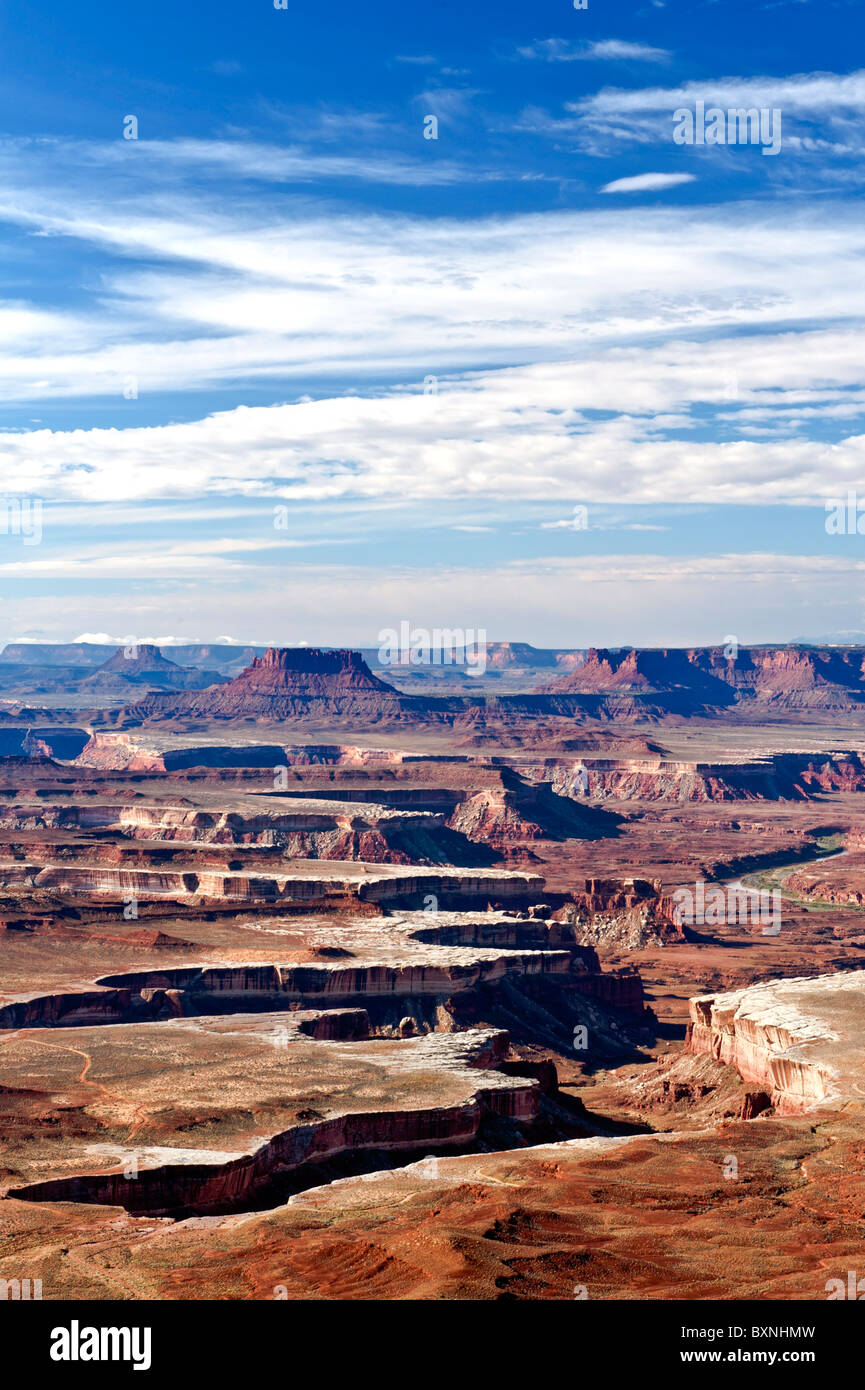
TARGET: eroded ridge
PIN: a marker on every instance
(416, 964)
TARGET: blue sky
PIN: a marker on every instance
(282, 369)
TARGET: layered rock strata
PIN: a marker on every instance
(202, 1114)
(800, 1040)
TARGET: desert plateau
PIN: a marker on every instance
(313, 989)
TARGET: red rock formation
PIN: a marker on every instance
(285, 682)
(788, 678)
(626, 912)
(798, 1040)
(502, 655)
(306, 671)
(784, 776)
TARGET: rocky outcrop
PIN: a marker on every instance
(301, 828)
(626, 686)
(840, 880)
(626, 913)
(131, 753)
(389, 884)
(413, 963)
(142, 664)
(218, 989)
(798, 1040)
(306, 671)
(144, 751)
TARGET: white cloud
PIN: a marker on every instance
(647, 183)
(168, 163)
(619, 48)
(235, 295)
(821, 114)
(102, 639)
(828, 92)
(563, 51)
(630, 333)
(164, 561)
(448, 103)
(613, 425)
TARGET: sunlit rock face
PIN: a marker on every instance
(798, 1039)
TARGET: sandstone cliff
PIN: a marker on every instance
(799, 1039)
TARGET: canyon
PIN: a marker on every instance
(315, 986)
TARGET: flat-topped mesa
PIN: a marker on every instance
(222, 1108)
(146, 752)
(285, 683)
(142, 656)
(307, 671)
(293, 829)
(141, 664)
(800, 1040)
(501, 655)
(383, 883)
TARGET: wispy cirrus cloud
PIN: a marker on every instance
(191, 293)
(821, 111)
(827, 92)
(447, 103)
(247, 161)
(430, 350)
(603, 50)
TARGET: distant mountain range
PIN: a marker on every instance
(624, 683)
(628, 685)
